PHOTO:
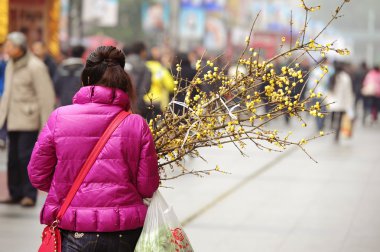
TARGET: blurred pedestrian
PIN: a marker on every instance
(3, 63)
(371, 93)
(139, 72)
(41, 51)
(27, 101)
(108, 209)
(67, 80)
(342, 96)
(162, 86)
(358, 80)
(186, 76)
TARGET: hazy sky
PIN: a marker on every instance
(353, 25)
(355, 13)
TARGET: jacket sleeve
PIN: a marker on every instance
(44, 90)
(44, 159)
(147, 175)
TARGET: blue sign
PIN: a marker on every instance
(192, 23)
(210, 5)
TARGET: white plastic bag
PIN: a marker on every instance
(162, 231)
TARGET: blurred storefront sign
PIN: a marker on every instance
(155, 16)
(38, 19)
(64, 22)
(205, 4)
(92, 42)
(192, 23)
(102, 12)
(278, 17)
(201, 22)
(222, 25)
(191, 28)
(4, 14)
(215, 38)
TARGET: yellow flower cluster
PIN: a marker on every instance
(233, 112)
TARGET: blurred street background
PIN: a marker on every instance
(218, 26)
(264, 202)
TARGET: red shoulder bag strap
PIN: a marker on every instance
(89, 162)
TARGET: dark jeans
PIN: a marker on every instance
(21, 145)
(371, 104)
(123, 241)
(3, 134)
(336, 123)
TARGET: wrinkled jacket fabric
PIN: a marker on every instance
(126, 171)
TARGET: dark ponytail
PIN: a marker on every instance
(105, 67)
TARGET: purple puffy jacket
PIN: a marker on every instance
(126, 171)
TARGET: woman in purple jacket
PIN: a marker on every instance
(107, 213)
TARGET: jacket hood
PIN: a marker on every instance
(102, 95)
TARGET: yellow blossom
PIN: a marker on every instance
(303, 141)
(198, 65)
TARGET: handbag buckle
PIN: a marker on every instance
(54, 225)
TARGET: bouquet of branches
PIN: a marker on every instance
(233, 112)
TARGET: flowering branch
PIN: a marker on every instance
(233, 111)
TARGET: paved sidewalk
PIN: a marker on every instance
(299, 206)
(271, 202)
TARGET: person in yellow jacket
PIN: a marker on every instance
(162, 86)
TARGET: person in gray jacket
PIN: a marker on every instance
(26, 104)
(67, 79)
(139, 72)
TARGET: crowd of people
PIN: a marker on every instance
(348, 88)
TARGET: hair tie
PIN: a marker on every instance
(109, 62)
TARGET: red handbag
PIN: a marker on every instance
(51, 236)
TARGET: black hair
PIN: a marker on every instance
(137, 47)
(338, 67)
(105, 67)
(77, 51)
